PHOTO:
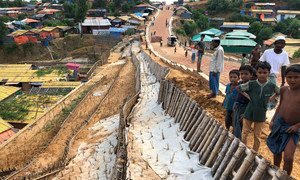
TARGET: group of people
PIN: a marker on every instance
(252, 89)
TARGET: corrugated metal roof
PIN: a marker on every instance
(269, 20)
(6, 91)
(61, 84)
(237, 42)
(198, 38)
(241, 33)
(288, 12)
(265, 4)
(236, 23)
(96, 22)
(261, 10)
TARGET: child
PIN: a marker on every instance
(259, 92)
(285, 123)
(231, 94)
(186, 53)
(193, 54)
(244, 60)
(241, 102)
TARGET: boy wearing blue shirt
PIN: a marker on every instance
(241, 102)
(231, 94)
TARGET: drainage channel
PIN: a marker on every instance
(177, 139)
(156, 136)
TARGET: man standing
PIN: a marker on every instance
(201, 47)
(277, 58)
(255, 55)
(216, 67)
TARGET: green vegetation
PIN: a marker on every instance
(15, 3)
(296, 54)
(56, 22)
(60, 70)
(215, 6)
(3, 30)
(54, 124)
(80, 10)
(289, 27)
(237, 17)
(180, 31)
(14, 109)
(43, 72)
(69, 10)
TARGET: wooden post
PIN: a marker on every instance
(206, 137)
(186, 109)
(260, 169)
(192, 128)
(177, 104)
(167, 85)
(182, 108)
(195, 134)
(280, 175)
(216, 148)
(173, 101)
(245, 165)
(190, 115)
(160, 93)
(198, 141)
(178, 99)
(227, 157)
(169, 95)
(187, 113)
(221, 155)
(197, 112)
(237, 155)
(212, 143)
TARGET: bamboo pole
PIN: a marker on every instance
(237, 155)
(260, 169)
(192, 128)
(197, 112)
(190, 116)
(206, 137)
(198, 130)
(202, 135)
(182, 108)
(178, 99)
(165, 95)
(169, 95)
(221, 155)
(160, 92)
(180, 105)
(186, 108)
(187, 114)
(173, 101)
(177, 104)
(217, 147)
(211, 145)
(209, 139)
(280, 175)
(227, 157)
(245, 165)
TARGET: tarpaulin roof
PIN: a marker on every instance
(28, 20)
(139, 14)
(212, 32)
(241, 33)
(236, 37)
(240, 25)
(6, 135)
(73, 66)
(238, 42)
(120, 30)
(198, 38)
(6, 91)
(96, 22)
(48, 11)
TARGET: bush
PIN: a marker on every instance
(296, 54)
(264, 34)
(43, 72)
(180, 31)
(237, 17)
(11, 48)
(14, 110)
(189, 27)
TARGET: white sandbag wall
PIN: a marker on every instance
(218, 149)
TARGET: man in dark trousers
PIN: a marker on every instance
(200, 47)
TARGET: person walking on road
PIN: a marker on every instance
(201, 47)
(216, 67)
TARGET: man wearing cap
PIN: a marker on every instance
(216, 67)
(277, 58)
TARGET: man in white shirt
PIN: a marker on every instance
(216, 67)
(277, 58)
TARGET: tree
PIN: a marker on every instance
(294, 4)
(281, 27)
(189, 27)
(293, 28)
(237, 17)
(3, 30)
(99, 4)
(264, 34)
(296, 54)
(255, 28)
(80, 11)
(202, 22)
(69, 10)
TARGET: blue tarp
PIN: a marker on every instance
(139, 14)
